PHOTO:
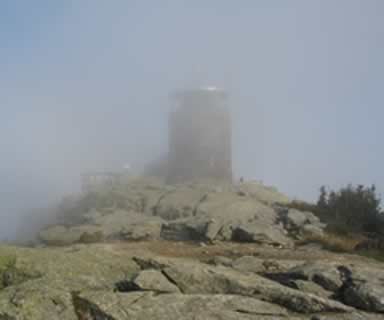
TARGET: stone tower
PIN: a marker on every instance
(199, 136)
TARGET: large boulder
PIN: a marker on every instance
(225, 212)
(145, 230)
(363, 287)
(228, 216)
(230, 206)
(366, 296)
(261, 233)
(179, 203)
(299, 223)
(326, 275)
(185, 229)
(62, 235)
(203, 228)
(311, 231)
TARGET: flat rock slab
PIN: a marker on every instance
(143, 306)
(153, 280)
(198, 278)
(81, 282)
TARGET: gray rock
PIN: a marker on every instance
(249, 264)
(356, 286)
(202, 228)
(193, 211)
(215, 216)
(365, 296)
(327, 276)
(116, 221)
(212, 229)
(154, 280)
(61, 235)
(312, 231)
(118, 224)
(259, 265)
(220, 261)
(143, 306)
(296, 218)
(261, 233)
(146, 230)
(180, 203)
(311, 287)
(184, 229)
(196, 278)
(227, 207)
(44, 278)
(363, 288)
(298, 222)
(349, 316)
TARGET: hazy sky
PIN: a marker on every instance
(84, 84)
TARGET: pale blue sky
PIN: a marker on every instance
(84, 84)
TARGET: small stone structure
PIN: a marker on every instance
(200, 136)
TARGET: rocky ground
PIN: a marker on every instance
(179, 280)
(147, 210)
(186, 252)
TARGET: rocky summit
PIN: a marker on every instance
(147, 250)
(146, 209)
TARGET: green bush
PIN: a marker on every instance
(352, 208)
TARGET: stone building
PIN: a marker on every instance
(199, 136)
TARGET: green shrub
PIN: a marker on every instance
(352, 208)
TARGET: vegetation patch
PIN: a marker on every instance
(354, 218)
(12, 273)
(334, 242)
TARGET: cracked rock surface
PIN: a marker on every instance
(147, 210)
(116, 282)
(186, 252)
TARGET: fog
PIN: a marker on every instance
(84, 86)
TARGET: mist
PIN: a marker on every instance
(84, 86)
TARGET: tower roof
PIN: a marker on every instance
(208, 91)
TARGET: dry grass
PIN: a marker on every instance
(190, 250)
(374, 254)
(335, 242)
(347, 244)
